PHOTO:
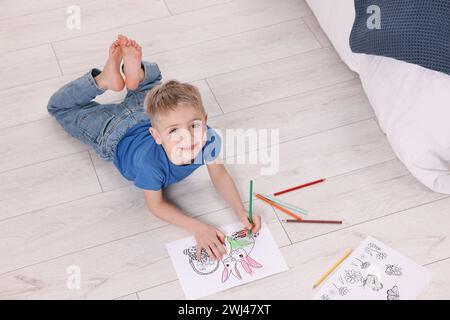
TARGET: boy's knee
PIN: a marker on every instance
(51, 105)
(55, 103)
(152, 71)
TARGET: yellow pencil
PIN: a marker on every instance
(345, 256)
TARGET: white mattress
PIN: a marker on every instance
(412, 103)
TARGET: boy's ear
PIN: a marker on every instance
(206, 118)
(155, 135)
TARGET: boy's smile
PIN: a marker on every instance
(181, 132)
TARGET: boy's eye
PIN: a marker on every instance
(173, 130)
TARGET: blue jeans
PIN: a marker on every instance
(100, 126)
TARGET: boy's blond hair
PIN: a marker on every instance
(168, 96)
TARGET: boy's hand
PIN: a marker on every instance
(211, 239)
(256, 219)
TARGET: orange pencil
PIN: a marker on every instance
(278, 206)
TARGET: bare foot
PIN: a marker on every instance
(132, 55)
(110, 77)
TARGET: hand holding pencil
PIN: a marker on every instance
(255, 226)
(251, 221)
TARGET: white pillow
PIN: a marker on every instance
(412, 103)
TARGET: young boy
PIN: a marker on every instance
(152, 154)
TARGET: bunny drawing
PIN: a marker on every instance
(230, 267)
(238, 247)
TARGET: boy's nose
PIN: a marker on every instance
(185, 138)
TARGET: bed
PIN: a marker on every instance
(412, 103)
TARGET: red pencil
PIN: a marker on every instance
(314, 221)
(298, 187)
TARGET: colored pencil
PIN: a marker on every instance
(314, 221)
(250, 217)
(278, 207)
(285, 204)
(298, 187)
(345, 256)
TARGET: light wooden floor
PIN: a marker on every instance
(258, 63)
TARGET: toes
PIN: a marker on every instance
(122, 40)
(136, 45)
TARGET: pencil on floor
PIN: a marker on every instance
(273, 204)
(285, 204)
(345, 256)
(313, 221)
(298, 187)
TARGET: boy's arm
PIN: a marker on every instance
(167, 212)
(225, 186)
(206, 236)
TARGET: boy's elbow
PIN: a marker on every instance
(155, 207)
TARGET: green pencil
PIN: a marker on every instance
(285, 204)
(250, 206)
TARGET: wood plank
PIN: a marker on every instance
(279, 79)
(46, 184)
(115, 269)
(27, 66)
(410, 232)
(95, 16)
(180, 31)
(180, 6)
(303, 114)
(44, 139)
(314, 25)
(109, 177)
(132, 296)
(168, 291)
(18, 8)
(28, 102)
(73, 226)
(439, 288)
(209, 101)
(236, 52)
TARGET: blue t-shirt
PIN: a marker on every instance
(140, 159)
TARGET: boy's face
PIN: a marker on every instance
(181, 132)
